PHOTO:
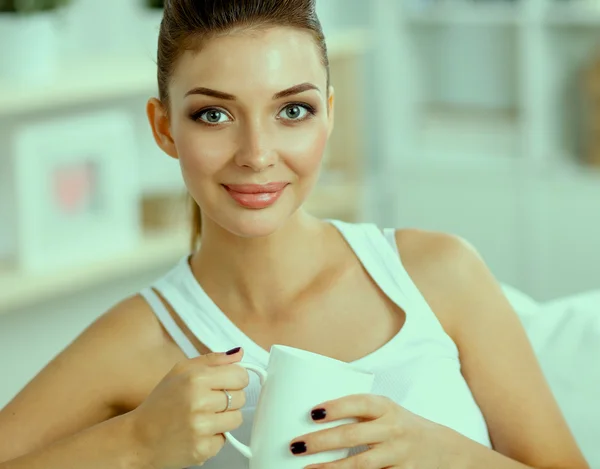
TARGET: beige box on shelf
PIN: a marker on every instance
(590, 109)
(165, 211)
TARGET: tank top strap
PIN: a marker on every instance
(370, 246)
(379, 252)
(390, 235)
(409, 285)
(168, 323)
(196, 310)
(402, 276)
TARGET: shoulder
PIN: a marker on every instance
(447, 270)
(448, 261)
(436, 250)
(133, 323)
(131, 314)
(129, 341)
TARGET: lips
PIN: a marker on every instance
(257, 188)
(256, 196)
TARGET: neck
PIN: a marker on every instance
(261, 276)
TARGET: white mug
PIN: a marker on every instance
(294, 382)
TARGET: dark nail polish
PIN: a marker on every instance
(233, 351)
(298, 448)
(318, 414)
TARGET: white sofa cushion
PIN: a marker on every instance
(565, 335)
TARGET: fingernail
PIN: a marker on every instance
(233, 351)
(298, 448)
(318, 414)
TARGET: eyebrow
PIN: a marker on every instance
(296, 89)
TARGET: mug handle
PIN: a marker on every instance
(237, 444)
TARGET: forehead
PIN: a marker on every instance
(270, 60)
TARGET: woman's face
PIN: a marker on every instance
(249, 121)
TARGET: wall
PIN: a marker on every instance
(537, 231)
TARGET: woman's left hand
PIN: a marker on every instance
(396, 437)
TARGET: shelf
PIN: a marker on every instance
(334, 199)
(344, 44)
(573, 13)
(453, 134)
(499, 13)
(21, 289)
(110, 78)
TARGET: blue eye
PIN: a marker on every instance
(211, 116)
(296, 112)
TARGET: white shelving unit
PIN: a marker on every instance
(471, 134)
(465, 13)
(19, 289)
(100, 79)
(573, 14)
(481, 131)
(511, 65)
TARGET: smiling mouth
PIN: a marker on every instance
(256, 196)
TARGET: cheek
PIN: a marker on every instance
(305, 151)
(202, 153)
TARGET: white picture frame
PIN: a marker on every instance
(77, 189)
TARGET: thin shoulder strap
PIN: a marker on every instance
(377, 257)
(169, 324)
(378, 251)
(411, 289)
(390, 235)
(380, 255)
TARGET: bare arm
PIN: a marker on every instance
(68, 415)
(110, 444)
(525, 422)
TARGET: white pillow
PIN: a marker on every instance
(565, 335)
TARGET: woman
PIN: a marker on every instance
(246, 107)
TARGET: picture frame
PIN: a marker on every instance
(76, 189)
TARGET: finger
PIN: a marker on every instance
(340, 437)
(209, 447)
(229, 377)
(361, 406)
(220, 358)
(376, 458)
(213, 424)
(208, 360)
(216, 401)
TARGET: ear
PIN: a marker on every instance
(161, 128)
(330, 109)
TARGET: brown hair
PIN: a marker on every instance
(187, 23)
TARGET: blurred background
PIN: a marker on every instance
(476, 117)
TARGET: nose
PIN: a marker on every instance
(254, 151)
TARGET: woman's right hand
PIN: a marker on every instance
(182, 422)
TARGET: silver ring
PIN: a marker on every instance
(228, 401)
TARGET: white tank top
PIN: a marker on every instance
(419, 368)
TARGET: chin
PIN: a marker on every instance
(256, 223)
